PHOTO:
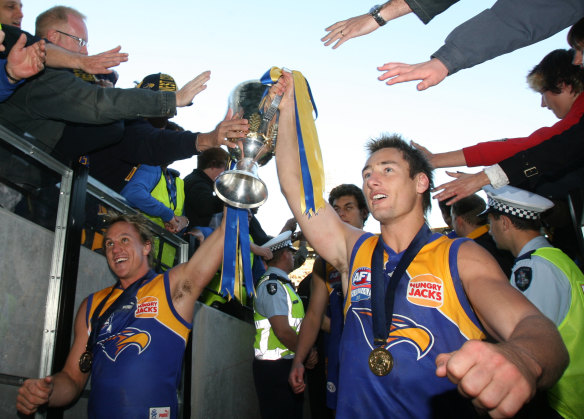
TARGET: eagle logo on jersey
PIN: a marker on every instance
(130, 336)
(403, 330)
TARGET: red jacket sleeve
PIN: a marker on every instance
(491, 152)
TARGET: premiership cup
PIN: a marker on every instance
(241, 187)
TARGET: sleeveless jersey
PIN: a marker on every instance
(431, 316)
(138, 355)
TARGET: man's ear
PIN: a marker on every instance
(52, 35)
(422, 182)
(147, 248)
(364, 214)
(506, 222)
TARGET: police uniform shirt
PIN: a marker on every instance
(271, 297)
(543, 283)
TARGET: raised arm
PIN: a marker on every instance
(364, 24)
(58, 57)
(439, 160)
(503, 28)
(319, 298)
(331, 238)
(63, 387)
(231, 127)
(530, 355)
(342, 31)
(188, 280)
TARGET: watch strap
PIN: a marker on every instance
(374, 12)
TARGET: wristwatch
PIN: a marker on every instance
(375, 13)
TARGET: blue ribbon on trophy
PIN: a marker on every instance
(236, 252)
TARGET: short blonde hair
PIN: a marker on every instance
(49, 18)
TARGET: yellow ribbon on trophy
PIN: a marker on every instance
(312, 187)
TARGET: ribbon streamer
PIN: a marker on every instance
(236, 251)
(312, 186)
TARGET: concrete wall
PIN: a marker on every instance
(222, 382)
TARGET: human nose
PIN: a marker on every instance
(83, 50)
(19, 13)
(543, 104)
(372, 180)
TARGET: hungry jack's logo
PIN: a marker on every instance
(147, 307)
(426, 290)
(128, 337)
(403, 330)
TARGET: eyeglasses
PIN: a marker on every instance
(82, 42)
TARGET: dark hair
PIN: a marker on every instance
(576, 35)
(556, 69)
(469, 209)
(444, 207)
(346, 189)
(277, 254)
(140, 223)
(518, 222)
(415, 158)
(212, 157)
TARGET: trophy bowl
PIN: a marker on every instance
(241, 186)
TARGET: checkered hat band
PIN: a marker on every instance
(281, 245)
(507, 209)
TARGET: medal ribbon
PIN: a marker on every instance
(312, 186)
(236, 245)
(97, 321)
(381, 318)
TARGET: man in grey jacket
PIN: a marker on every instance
(505, 27)
(42, 105)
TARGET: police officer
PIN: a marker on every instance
(278, 314)
(548, 278)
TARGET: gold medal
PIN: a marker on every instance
(380, 361)
(85, 361)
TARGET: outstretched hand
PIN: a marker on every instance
(344, 30)
(24, 62)
(232, 126)
(427, 153)
(186, 94)
(101, 63)
(497, 379)
(34, 393)
(430, 72)
(465, 184)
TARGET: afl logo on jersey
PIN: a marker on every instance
(426, 290)
(147, 307)
(361, 284)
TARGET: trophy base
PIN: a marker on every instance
(241, 189)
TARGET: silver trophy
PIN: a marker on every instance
(241, 187)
